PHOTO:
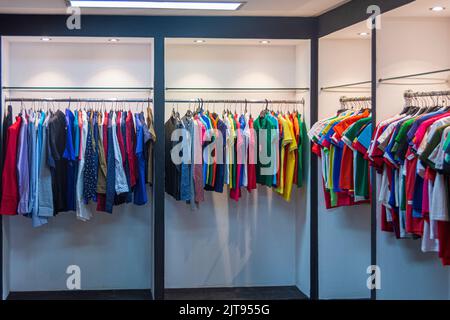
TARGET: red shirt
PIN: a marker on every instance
(251, 167)
(131, 147)
(120, 136)
(10, 187)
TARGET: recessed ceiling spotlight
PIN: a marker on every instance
(437, 8)
(199, 41)
(45, 39)
(264, 42)
(186, 5)
(113, 40)
(363, 34)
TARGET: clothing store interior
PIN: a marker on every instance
(351, 104)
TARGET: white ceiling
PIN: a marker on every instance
(251, 8)
(416, 9)
(421, 8)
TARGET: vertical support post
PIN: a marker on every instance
(373, 177)
(159, 167)
(314, 221)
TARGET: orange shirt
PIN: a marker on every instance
(344, 124)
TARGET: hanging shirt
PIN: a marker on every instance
(252, 156)
(23, 168)
(10, 188)
(199, 133)
(150, 145)
(82, 211)
(72, 165)
(57, 142)
(121, 185)
(290, 157)
(131, 147)
(102, 166)
(264, 169)
(111, 167)
(44, 189)
(90, 172)
(35, 139)
(302, 149)
(140, 192)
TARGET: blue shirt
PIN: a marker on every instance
(69, 155)
(140, 193)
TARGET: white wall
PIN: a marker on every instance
(253, 242)
(406, 46)
(344, 233)
(113, 251)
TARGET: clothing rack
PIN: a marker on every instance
(410, 94)
(302, 101)
(266, 101)
(412, 76)
(77, 100)
(305, 89)
(354, 99)
(75, 89)
(346, 85)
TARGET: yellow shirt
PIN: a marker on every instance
(290, 161)
(287, 139)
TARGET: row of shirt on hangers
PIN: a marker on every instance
(58, 161)
(341, 142)
(240, 163)
(411, 152)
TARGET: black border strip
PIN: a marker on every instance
(373, 176)
(159, 169)
(314, 175)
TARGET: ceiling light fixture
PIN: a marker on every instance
(363, 34)
(199, 41)
(264, 42)
(437, 8)
(45, 39)
(181, 5)
(113, 40)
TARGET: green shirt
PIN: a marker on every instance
(264, 124)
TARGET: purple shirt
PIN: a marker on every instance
(23, 168)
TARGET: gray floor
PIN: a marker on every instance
(251, 293)
(83, 295)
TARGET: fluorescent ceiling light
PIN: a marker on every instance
(45, 39)
(437, 8)
(363, 34)
(199, 41)
(184, 5)
(264, 41)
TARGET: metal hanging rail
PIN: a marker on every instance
(382, 80)
(347, 85)
(354, 99)
(411, 94)
(74, 89)
(77, 100)
(302, 101)
(238, 89)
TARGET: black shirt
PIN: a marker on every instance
(57, 143)
(173, 172)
